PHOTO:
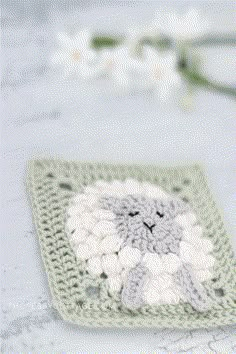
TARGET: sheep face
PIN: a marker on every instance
(147, 224)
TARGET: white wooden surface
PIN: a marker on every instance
(46, 116)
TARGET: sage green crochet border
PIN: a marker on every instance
(52, 182)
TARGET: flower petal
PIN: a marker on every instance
(60, 57)
(64, 40)
(83, 38)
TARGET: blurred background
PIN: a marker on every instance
(49, 114)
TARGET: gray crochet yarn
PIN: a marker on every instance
(131, 296)
(149, 225)
(50, 192)
(191, 288)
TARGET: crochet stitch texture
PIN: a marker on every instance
(109, 222)
(83, 297)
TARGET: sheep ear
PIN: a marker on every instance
(110, 203)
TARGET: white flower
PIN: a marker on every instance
(120, 65)
(182, 26)
(135, 35)
(75, 54)
(162, 73)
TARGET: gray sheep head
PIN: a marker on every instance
(147, 224)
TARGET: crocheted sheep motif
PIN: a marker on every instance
(147, 242)
(147, 224)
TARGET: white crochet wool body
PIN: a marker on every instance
(94, 238)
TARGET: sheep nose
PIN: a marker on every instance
(150, 227)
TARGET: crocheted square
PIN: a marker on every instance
(132, 246)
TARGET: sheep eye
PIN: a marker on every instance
(160, 215)
(134, 214)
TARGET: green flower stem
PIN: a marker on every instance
(99, 42)
(200, 80)
(159, 42)
(212, 40)
(191, 74)
(166, 42)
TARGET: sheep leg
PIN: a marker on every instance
(131, 296)
(192, 289)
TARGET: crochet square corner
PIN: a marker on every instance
(132, 245)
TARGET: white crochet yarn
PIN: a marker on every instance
(94, 238)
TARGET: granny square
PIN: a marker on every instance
(132, 245)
